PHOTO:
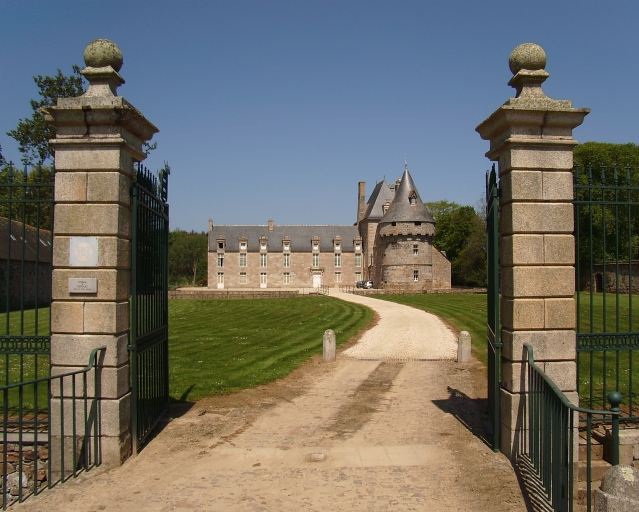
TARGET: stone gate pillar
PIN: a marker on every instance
(99, 136)
(531, 139)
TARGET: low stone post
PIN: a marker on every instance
(531, 139)
(463, 347)
(329, 346)
(619, 491)
(99, 136)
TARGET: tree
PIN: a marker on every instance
(33, 134)
(3, 162)
(187, 257)
(461, 233)
(28, 203)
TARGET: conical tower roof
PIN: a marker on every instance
(401, 209)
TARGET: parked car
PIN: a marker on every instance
(364, 284)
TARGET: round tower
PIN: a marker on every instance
(404, 242)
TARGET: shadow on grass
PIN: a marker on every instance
(468, 411)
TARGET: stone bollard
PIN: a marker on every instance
(619, 491)
(329, 346)
(463, 347)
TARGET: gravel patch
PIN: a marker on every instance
(402, 333)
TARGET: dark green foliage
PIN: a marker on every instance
(31, 195)
(33, 134)
(2, 160)
(187, 258)
(219, 346)
(461, 233)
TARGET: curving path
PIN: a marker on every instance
(354, 435)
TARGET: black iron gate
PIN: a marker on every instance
(493, 323)
(149, 348)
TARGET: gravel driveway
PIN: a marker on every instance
(402, 333)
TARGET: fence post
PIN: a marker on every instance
(531, 139)
(99, 136)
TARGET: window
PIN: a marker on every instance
(358, 276)
(315, 246)
(287, 278)
(287, 246)
(263, 246)
(358, 260)
(415, 275)
(220, 278)
(338, 260)
(263, 278)
(263, 260)
(243, 246)
(242, 259)
(287, 260)
(418, 223)
(357, 246)
(220, 245)
(315, 260)
(220, 260)
(415, 250)
(338, 277)
(243, 278)
(338, 247)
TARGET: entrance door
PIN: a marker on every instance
(317, 280)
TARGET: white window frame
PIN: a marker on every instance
(358, 261)
(220, 260)
(242, 246)
(243, 279)
(287, 260)
(415, 250)
(287, 278)
(338, 260)
(243, 258)
(316, 262)
(358, 276)
(415, 275)
(263, 278)
(338, 277)
(220, 278)
(263, 260)
(262, 246)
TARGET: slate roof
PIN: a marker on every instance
(381, 193)
(30, 244)
(401, 210)
(300, 236)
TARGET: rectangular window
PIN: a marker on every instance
(358, 276)
(358, 260)
(287, 261)
(287, 246)
(263, 246)
(415, 275)
(263, 260)
(220, 260)
(220, 278)
(242, 245)
(415, 250)
(357, 246)
(338, 247)
(338, 277)
(263, 278)
(243, 278)
(287, 278)
(242, 259)
(338, 260)
(315, 260)
(220, 245)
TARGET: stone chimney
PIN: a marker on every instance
(361, 200)
(210, 225)
(271, 224)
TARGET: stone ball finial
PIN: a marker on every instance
(101, 53)
(528, 56)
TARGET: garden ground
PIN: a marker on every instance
(349, 435)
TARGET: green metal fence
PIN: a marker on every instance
(50, 430)
(493, 324)
(550, 444)
(607, 242)
(149, 302)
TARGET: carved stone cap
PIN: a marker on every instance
(103, 59)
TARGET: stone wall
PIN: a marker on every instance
(441, 271)
(610, 281)
(399, 263)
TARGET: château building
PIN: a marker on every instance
(391, 244)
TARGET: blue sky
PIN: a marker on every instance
(276, 109)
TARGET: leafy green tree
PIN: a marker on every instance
(187, 257)
(27, 197)
(3, 162)
(33, 134)
(461, 233)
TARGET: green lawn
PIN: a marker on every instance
(219, 346)
(464, 312)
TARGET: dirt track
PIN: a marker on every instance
(350, 435)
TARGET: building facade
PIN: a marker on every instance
(391, 244)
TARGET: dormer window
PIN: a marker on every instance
(220, 245)
(338, 247)
(242, 246)
(287, 246)
(358, 246)
(263, 246)
(412, 198)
